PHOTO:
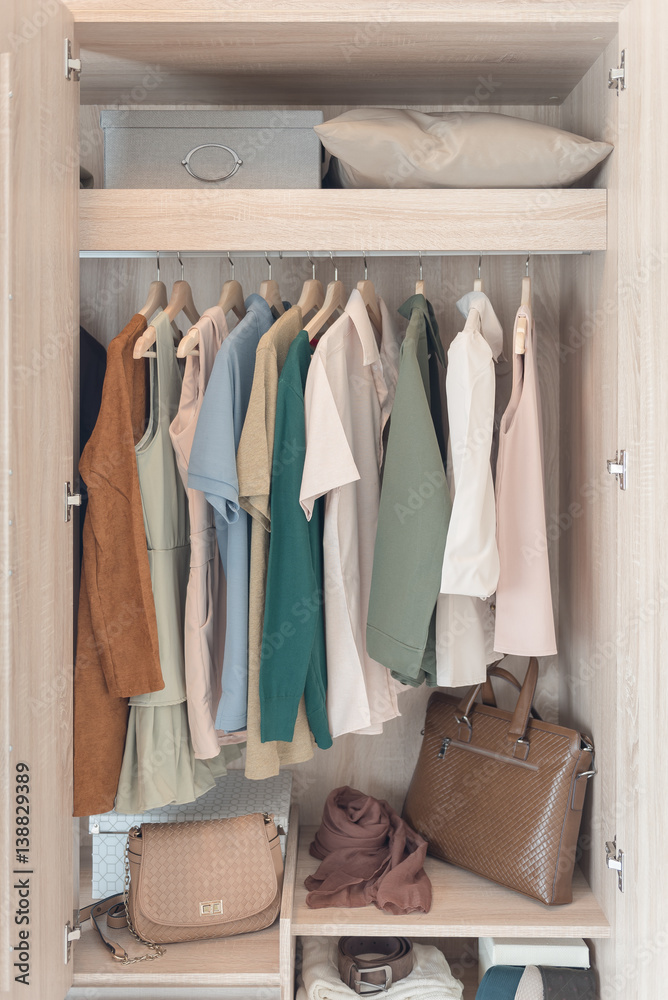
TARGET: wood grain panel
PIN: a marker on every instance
(643, 511)
(588, 501)
(507, 220)
(318, 11)
(39, 337)
(463, 905)
(287, 941)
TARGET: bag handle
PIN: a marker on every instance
(520, 720)
(114, 907)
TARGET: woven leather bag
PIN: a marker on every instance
(192, 881)
(500, 793)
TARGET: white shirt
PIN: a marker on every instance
(348, 398)
(471, 558)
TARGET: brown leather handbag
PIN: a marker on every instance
(501, 793)
(192, 881)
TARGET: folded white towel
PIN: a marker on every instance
(430, 979)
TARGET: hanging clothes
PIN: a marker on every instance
(348, 398)
(159, 765)
(92, 368)
(117, 634)
(464, 618)
(414, 509)
(524, 616)
(204, 639)
(294, 659)
(254, 462)
(213, 470)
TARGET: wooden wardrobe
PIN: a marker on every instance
(603, 362)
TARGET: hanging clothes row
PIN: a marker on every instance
(295, 527)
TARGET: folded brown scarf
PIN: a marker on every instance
(369, 855)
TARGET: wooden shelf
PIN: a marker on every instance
(464, 905)
(425, 52)
(507, 220)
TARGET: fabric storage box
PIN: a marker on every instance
(233, 795)
(226, 149)
(567, 953)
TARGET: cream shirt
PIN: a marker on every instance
(348, 398)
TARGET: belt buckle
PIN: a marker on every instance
(371, 988)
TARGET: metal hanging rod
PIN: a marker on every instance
(325, 254)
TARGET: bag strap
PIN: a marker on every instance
(520, 719)
(114, 907)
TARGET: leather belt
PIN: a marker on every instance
(368, 976)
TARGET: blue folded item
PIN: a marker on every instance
(500, 982)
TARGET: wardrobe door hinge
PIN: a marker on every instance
(614, 859)
(71, 934)
(619, 467)
(71, 500)
(617, 75)
(72, 66)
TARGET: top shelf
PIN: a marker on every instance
(355, 52)
(507, 221)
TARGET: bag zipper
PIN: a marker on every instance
(448, 741)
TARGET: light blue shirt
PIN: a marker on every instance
(213, 470)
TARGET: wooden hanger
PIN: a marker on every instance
(270, 291)
(419, 284)
(522, 327)
(231, 300)
(370, 299)
(157, 294)
(313, 294)
(335, 301)
(477, 284)
(181, 300)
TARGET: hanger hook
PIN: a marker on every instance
(336, 269)
(312, 263)
(420, 264)
(178, 257)
(366, 268)
(157, 262)
(231, 263)
(266, 257)
(479, 265)
(527, 264)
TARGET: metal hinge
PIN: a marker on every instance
(71, 934)
(71, 500)
(72, 66)
(614, 859)
(619, 467)
(617, 77)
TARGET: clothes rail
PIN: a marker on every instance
(322, 254)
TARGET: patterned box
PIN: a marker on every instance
(233, 795)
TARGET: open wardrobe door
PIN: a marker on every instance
(39, 180)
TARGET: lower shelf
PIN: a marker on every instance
(464, 905)
(247, 960)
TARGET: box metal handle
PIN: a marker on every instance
(212, 180)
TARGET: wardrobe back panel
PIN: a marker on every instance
(589, 499)
(112, 290)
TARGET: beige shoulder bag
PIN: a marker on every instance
(192, 881)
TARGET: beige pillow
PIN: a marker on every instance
(386, 148)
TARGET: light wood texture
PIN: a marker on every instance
(287, 941)
(246, 960)
(589, 624)
(39, 344)
(508, 220)
(346, 11)
(642, 634)
(463, 905)
(372, 61)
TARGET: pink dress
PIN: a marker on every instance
(205, 617)
(524, 617)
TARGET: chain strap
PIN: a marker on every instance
(156, 949)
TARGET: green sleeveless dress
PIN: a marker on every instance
(159, 765)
